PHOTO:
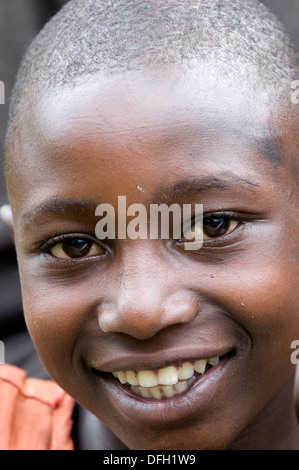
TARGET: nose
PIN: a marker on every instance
(147, 297)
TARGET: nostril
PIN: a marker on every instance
(177, 307)
(108, 318)
(144, 317)
(182, 307)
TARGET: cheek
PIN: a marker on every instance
(56, 316)
(263, 297)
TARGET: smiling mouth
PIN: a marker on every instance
(167, 382)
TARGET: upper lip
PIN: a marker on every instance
(213, 336)
(158, 359)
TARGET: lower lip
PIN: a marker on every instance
(180, 407)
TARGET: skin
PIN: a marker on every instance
(145, 304)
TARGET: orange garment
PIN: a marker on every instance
(34, 414)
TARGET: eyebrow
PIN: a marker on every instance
(68, 207)
(80, 208)
(189, 186)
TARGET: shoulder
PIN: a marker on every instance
(35, 414)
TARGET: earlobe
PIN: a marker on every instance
(6, 217)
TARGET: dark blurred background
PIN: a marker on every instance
(20, 21)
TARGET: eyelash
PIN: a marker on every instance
(221, 240)
(50, 244)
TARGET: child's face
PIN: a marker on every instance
(95, 308)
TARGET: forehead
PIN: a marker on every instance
(181, 120)
(164, 97)
(163, 102)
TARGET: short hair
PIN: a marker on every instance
(91, 36)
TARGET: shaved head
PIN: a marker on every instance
(88, 37)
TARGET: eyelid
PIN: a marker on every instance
(50, 243)
(236, 215)
(54, 239)
(240, 217)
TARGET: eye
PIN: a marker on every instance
(212, 227)
(73, 248)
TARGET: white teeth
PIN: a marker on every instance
(168, 376)
(156, 392)
(147, 378)
(122, 376)
(168, 390)
(186, 371)
(200, 366)
(165, 382)
(145, 392)
(132, 378)
(213, 361)
(190, 381)
(181, 386)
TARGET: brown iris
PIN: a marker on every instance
(216, 226)
(76, 247)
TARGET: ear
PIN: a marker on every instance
(6, 218)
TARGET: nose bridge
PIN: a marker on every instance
(143, 272)
(147, 297)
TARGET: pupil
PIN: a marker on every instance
(76, 248)
(215, 226)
